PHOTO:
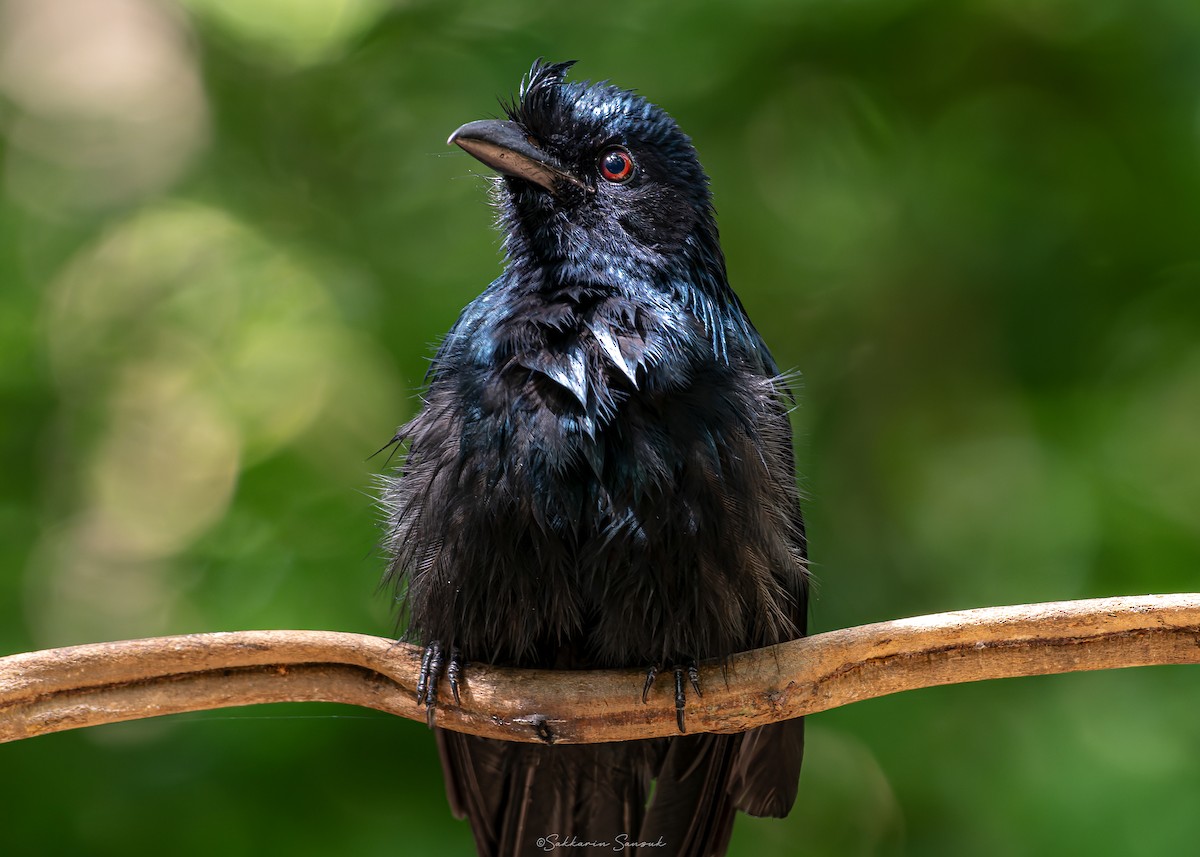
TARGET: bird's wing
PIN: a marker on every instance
(692, 813)
(766, 772)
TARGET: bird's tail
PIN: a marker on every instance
(524, 799)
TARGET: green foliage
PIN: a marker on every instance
(230, 232)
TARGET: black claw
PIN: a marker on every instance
(453, 673)
(692, 670)
(680, 698)
(423, 676)
(436, 664)
(433, 665)
(651, 675)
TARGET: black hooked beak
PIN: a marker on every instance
(506, 148)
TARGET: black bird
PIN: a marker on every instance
(601, 476)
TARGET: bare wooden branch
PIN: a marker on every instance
(59, 689)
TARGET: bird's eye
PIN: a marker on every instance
(616, 165)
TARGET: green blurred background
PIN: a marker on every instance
(230, 231)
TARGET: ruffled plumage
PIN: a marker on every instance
(602, 475)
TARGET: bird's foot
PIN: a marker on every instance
(689, 668)
(434, 664)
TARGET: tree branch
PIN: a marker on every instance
(59, 689)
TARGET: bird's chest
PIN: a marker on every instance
(576, 406)
(567, 470)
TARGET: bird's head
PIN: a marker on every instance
(591, 172)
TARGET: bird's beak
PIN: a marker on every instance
(506, 148)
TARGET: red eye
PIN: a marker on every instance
(616, 165)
